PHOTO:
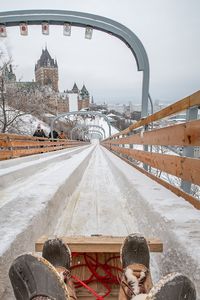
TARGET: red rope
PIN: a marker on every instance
(94, 266)
(88, 288)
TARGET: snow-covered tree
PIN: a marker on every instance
(18, 99)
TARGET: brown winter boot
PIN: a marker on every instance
(174, 286)
(59, 255)
(136, 278)
(33, 277)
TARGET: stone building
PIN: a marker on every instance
(46, 70)
(78, 99)
(8, 74)
(84, 100)
(45, 87)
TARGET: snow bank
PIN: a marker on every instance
(25, 124)
(33, 203)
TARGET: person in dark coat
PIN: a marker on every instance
(55, 134)
(39, 132)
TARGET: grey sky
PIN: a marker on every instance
(168, 29)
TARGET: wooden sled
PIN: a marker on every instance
(96, 263)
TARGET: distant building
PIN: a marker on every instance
(77, 99)
(46, 70)
(7, 78)
(157, 106)
(45, 87)
(120, 108)
(9, 75)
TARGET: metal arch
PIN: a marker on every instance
(59, 17)
(82, 128)
(87, 126)
(86, 131)
(79, 129)
(96, 132)
(93, 113)
(99, 127)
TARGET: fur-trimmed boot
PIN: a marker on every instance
(59, 255)
(136, 278)
(174, 286)
(136, 283)
(34, 278)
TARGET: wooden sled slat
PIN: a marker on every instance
(97, 244)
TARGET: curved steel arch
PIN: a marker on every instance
(96, 132)
(93, 113)
(85, 131)
(77, 128)
(88, 131)
(99, 127)
(59, 17)
(87, 126)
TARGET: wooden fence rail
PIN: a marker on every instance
(187, 134)
(13, 145)
(182, 135)
(190, 101)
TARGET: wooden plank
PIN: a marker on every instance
(5, 154)
(187, 134)
(3, 143)
(20, 137)
(180, 193)
(27, 145)
(97, 244)
(18, 143)
(22, 152)
(81, 270)
(174, 108)
(182, 167)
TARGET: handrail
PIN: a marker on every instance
(13, 145)
(182, 167)
(186, 134)
(174, 108)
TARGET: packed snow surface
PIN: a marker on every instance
(91, 191)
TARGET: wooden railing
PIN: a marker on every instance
(13, 145)
(183, 135)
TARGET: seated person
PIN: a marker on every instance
(39, 132)
(55, 134)
(48, 277)
(62, 135)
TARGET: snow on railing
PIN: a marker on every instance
(137, 146)
(13, 145)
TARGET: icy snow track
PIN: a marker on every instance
(97, 206)
(88, 191)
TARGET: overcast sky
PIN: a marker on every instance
(168, 29)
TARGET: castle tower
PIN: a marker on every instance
(46, 70)
(85, 97)
(84, 93)
(75, 89)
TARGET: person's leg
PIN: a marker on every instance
(35, 278)
(136, 278)
(174, 286)
(59, 255)
(136, 281)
